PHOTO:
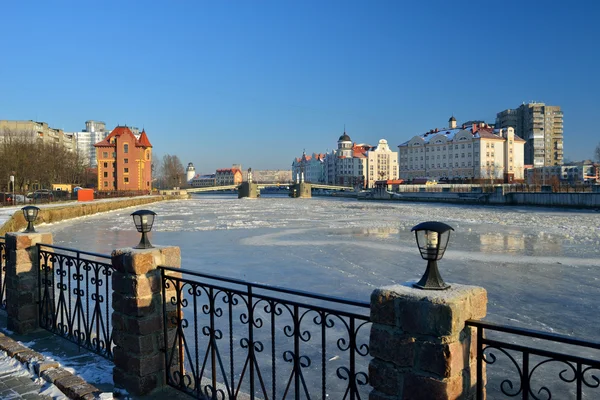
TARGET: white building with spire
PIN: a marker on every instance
(190, 172)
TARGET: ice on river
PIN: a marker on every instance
(541, 267)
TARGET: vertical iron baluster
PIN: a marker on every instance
(70, 321)
(525, 377)
(231, 341)
(88, 329)
(296, 353)
(251, 339)
(108, 296)
(165, 319)
(352, 349)
(579, 378)
(198, 378)
(76, 310)
(273, 358)
(212, 340)
(479, 363)
(180, 336)
(323, 355)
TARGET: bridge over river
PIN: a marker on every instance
(252, 189)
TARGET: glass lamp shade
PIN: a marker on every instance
(432, 239)
(30, 213)
(143, 220)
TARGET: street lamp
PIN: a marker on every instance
(143, 220)
(30, 213)
(432, 239)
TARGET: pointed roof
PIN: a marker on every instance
(124, 130)
(143, 140)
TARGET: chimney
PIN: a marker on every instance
(475, 128)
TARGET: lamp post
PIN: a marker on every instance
(432, 239)
(143, 220)
(30, 213)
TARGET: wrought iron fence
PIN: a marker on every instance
(2, 273)
(75, 293)
(528, 364)
(230, 339)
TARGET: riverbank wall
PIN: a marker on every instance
(61, 212)
(587, 200)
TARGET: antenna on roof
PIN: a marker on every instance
(344, 128)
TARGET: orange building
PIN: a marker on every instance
(124, 162)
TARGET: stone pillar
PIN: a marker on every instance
(420, 346)
(22, 265)
(138, 317)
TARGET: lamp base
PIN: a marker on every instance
(431, 279)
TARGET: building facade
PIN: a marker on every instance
(382, 164)
(309, 168)
(124, 162)
(228, 176)
(476, 153)
(40, 131)
(203, 180)
(94, 132)
(541, 127)
(585, 172)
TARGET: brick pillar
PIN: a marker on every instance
(22, 291)
(138, 317)
(420, 346)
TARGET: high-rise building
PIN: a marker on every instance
(94, 132)
(124, 162)
(541, 127)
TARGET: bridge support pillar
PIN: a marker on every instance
(248, 189)
(301, 190)
(420, 345)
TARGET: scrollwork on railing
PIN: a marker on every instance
(241, 341)
(558, 369)
(75, 292)
(2, 273)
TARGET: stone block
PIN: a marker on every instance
(137, 344)
(134, 261)
(41, 367)
(139, 365)
(444, 360)
(137, 386)
(137, 325)
(136, 306)
(391, 345)
(418, 387)
(78, 390)
(384, 307)
(64, 383)
(21, 327)
(52, 374)
(171, 257)
(13, 348)
(23, 261)
(137, 285)
(385, 377)
(25, 357)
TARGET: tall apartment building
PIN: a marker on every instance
(124, 162)
(477, 153)
(94, 132)
(39, 130)
(541, 127)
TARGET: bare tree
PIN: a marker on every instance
(172, 170)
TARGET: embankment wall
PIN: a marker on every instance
(73, 210)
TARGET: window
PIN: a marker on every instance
(105, 165)
(104, 154)
(126, 170)
(105, 184)
(126, 180)
(126, 161)
(106, 174)
(114, 154)
(462, 146)
(126, 148)
(147, 155)
(456, 155)
(456, 147)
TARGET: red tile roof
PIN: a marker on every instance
(123, 130)
(143, 140)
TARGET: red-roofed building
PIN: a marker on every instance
(228, 176)
(124, 162)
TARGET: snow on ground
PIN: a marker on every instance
(11, 368)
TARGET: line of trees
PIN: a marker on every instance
(168, 172)
(36, 164)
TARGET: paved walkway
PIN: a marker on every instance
(16, 382)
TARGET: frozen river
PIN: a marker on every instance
(540, 266)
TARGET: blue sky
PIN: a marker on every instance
(256, 82)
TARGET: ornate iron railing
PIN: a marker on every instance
(558, 367)
(230, 339)
(75, 292)
(2, 273)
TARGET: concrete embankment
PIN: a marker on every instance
(61, 212)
